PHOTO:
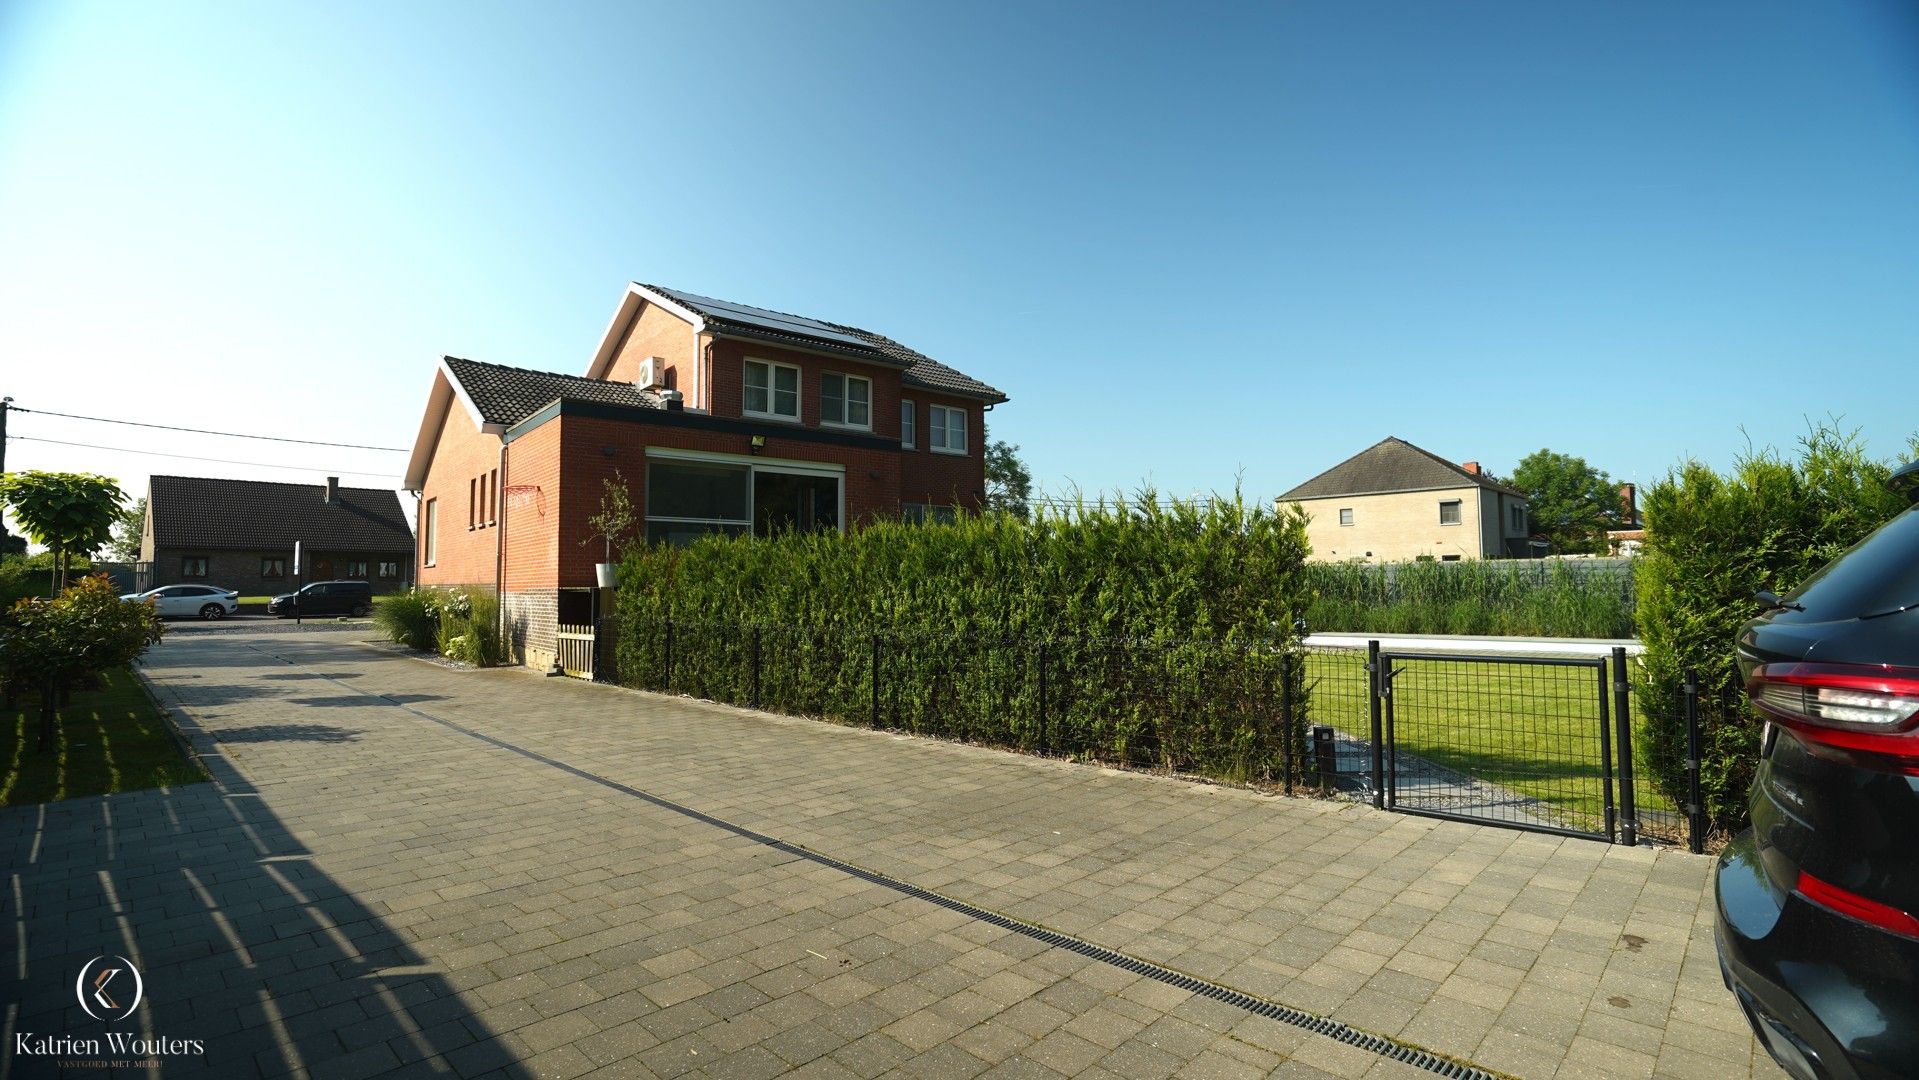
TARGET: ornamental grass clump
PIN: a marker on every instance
(1159, 631)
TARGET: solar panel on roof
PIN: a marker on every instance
(775, 321)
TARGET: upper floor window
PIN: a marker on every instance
(947, 427)
(909, 425)
(772, 390)
(1345, 515)
(846, 400)
(1449, 512)
(1519, 519)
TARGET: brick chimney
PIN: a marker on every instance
(1629, 501)
(1471, 467)
(332, 490)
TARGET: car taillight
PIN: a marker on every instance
(1866, 714)
(1852, 905)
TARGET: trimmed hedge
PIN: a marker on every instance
(1530, 597)
(1711, 542)
(1161, 629)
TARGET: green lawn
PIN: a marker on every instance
(1533, 730)
(107, 740)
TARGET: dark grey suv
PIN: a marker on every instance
(324, 598)
(1818, 925)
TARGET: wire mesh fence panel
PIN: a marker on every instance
(1337, 693)
(1517, 741)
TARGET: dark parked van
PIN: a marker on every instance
(325, 598)
(1819, 901)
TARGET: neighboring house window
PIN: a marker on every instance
(1449, 512)
(1345, 515)
(273, 568)
(948, 429)
(772, 390)
(846, 400)
(389, 570)
(908, 425)
(430, 533)
(1519, 519)
(356, 569)
(925, 513)
(193, 566)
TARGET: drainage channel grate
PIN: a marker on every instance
(1318, 1025)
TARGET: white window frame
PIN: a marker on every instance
(1346, 516)
(772, 393)
(939, 437)
(1459, 507)
(909, 424)
(431, 533)
(846, 399)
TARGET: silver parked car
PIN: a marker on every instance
(190, 601)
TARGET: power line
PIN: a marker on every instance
(190, 457)
(203, 431)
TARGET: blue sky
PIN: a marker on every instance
(1192, 243)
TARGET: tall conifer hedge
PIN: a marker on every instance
(1159, 632)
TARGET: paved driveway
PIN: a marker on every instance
(404, 868)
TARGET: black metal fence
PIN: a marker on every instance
(1218, 709)
(1526, 742)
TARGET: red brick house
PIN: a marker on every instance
(721, 417)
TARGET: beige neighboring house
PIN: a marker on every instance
(1393, 502)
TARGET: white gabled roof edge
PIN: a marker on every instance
(623, 317)
(439, 403)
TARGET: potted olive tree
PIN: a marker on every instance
(615, 521)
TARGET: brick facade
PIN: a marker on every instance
(466, 549)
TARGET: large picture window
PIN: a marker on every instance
(846, 400)
(687, 499)
(772, 390)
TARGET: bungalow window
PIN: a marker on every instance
(908, 425)
(772, 390)
(193, 566)
(1449, 512)
(948, 426)
(846, 400)
(356, 569)
(1345, 515)
(389, 570)
(273, 568)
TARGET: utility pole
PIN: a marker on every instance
(5, 404)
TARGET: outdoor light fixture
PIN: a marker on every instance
(759, 443)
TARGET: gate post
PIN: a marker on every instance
(1622, 716)
(1374, 678)
(1695, 804)
(1286, 719)
(1605, 752)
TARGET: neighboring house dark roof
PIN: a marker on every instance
(1388, 466)
(201, 512)
(508, 395)
(779, 327)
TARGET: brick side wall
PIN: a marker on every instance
(658, 332)
(948, 479)
(531, 507)
(463, 453)
(240, 570)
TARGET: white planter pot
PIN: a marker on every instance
(607, 573)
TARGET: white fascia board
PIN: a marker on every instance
(623, 316)
(439, 405)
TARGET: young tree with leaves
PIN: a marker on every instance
(127, 527)
(1568, 502)
(70, 513)
(1009, 484)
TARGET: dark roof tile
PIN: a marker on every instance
(1392, 465)
(508, 395)
(208, 513)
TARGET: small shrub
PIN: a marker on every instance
(469, 627)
